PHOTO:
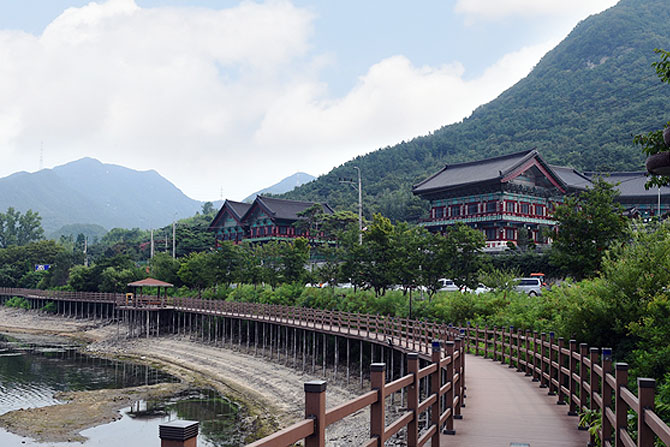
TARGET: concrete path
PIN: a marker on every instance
(504, 407)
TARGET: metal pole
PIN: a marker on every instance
(174, 224)
(360, 207)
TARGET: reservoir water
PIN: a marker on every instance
(33, 369)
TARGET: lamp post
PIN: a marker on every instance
(360, 203)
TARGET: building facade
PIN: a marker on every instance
(266, 219)
(506, 196)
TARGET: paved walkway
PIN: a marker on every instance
(504, 407)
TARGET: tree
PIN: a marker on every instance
(165, 268)
(197, 271)
(467, 256)
(294, 257)
(19, 229)
(436, 262)
(208, 208)
(310, 220)
(379, 251)
(588, 225)
(653, 142)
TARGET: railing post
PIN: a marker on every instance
(543, 357)
(315, 408)
(477, 339)
(458, 386)
(552, 387)
(495, 343)
(645, 397)
(413, 399)
(606, 394)
(559, 371)
(519, 337)
(527, 353)
(572, 367)
(620, 406)
(583, 355)
(449, 395)
(486, 341)
(435, 383)
(378, 409)
(536, 376)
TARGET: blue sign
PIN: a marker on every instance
(42, 267)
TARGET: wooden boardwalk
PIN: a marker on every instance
(505, 407)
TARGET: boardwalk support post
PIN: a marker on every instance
(315, 408)
(606, 395)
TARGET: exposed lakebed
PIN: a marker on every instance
(37, 372)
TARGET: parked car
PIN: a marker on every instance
(447, 285)
(531, 286)
(481, 288)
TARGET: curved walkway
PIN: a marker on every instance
(505, 407)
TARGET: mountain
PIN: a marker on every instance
(87, 191)
(286, 185)
(580, 106)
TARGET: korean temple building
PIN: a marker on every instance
(265, 219)
(501, 195)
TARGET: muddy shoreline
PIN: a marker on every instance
(271, 395)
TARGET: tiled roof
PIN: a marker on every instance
(572, 178)
(238, 209)
(287, 209)
(473, 172)
(629, 184)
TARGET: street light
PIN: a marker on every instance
(360, 203)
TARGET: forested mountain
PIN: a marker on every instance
(580, 107)
(286, 185)
(87, 191)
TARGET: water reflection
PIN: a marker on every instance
(33, 369)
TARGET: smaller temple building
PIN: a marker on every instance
(265, 219)
(502, 195)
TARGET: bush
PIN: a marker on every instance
(18, 302)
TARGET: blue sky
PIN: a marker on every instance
(197, 89)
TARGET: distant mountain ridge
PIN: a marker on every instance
(286, 185)
(88, 191)
(579, 107)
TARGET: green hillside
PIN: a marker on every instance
(580, 106)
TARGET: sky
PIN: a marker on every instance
(224, 98)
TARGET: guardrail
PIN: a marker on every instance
(442, 402)
(581, 377)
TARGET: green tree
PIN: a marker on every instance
(165, 268)
(378, 254)
(467, 257)
(653, 142)
(294, 257)
(588, 225)
(19, 229)
(228, 260)
(197, 271)
(208, 209)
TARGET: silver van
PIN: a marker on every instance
(531, 286)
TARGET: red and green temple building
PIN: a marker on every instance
(502, 195)
(266, 219)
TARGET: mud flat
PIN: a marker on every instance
(271, 395)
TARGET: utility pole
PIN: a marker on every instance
(173, 237)
(360, 207)
(152, 243)
(360, 202)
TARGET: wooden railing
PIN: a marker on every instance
(581, 377)
(442, 402)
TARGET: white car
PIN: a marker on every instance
(447, 285)
(481, 288)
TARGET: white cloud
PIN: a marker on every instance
(497, 9)
(211, 99)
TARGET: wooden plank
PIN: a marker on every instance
(657, 425)
(288, 436)
(341, 411)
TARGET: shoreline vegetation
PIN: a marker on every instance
(270, 396)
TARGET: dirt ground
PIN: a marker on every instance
(272, 394)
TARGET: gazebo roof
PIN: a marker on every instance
(150, 282)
